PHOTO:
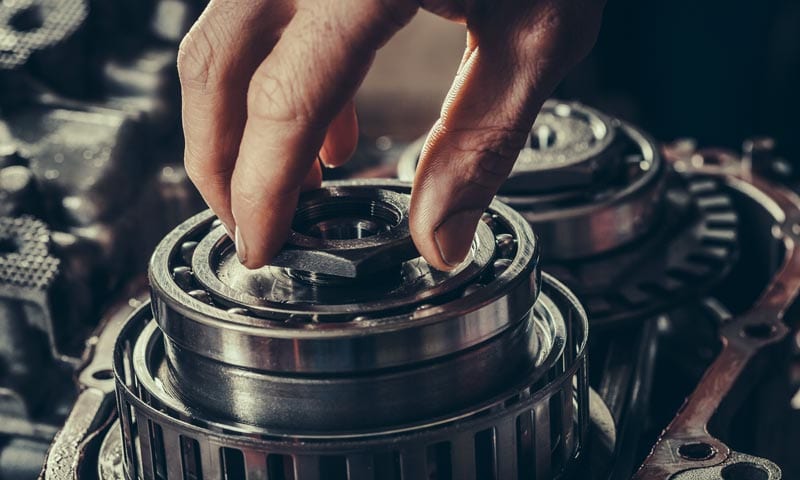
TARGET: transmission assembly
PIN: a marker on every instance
(397, 372)
(350, 358)
(628, 309)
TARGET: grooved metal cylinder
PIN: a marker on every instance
(588, 183)
(396, 372)
(630, 234)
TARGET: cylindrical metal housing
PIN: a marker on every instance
(586, 182)
(302, 371)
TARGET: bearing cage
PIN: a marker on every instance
(534, 428)
(473, 374)
(192, 315)
(630, 243)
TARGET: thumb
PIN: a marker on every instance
(485, 121)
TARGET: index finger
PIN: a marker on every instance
(294, 95)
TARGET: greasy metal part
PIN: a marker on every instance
(568, 148)
(639, 238)
(90, 158)
(611, 213)
(29, 26)
(370, 331)
(535, 424)
(81, 90)
(93, 409)
(737, 466)
(600, 447)
(348, 232)
(28, 273)
(231, 330)
(618, 200)
(472, 373)
(694, 245)
(686, 450)
(626, 386)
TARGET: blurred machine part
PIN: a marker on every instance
(684, 259)
(90, 180)
(398, 372)
(651, 244)
(626, 232)
(350, 321)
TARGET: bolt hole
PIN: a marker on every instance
(27, 19)
(760, 331)
(744, 471)
(105, 374)
(696, 451)
(542, 137)
(7, 246)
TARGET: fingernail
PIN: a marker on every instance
(241, 248)
(322, 162)
(454, 236)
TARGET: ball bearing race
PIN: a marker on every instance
(403, 372)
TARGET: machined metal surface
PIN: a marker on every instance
(598, 187)
(636, 239)
(354, 359)
(237, 373)
(29, 26)
(693, 247)
(347, 232)
(371, 321)
(536, 424)
(233, 330)
(686, 449)
(93, 410)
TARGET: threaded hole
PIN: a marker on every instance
(27, 19)
(346, 219)
(104, 374)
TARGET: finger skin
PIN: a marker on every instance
(215, 63)
(293, 97)
(513, 63)
(341, 139)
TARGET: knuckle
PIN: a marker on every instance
(204, 174)
(273, 99)
(195, 171)
(489, 154)
(250, 195)
(246, 199)
(198, 64)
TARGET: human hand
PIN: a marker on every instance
(268, 88)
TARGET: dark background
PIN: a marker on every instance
(713, 70)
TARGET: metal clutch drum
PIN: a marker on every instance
(349, 357)
(627, 233)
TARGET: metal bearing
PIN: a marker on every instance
(235, 367)
(598, 187)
